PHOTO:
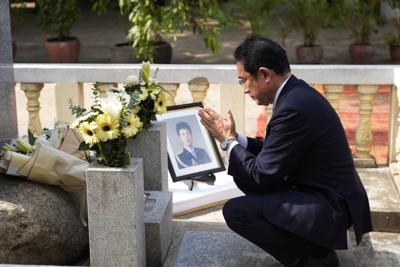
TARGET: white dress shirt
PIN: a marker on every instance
(242, 140)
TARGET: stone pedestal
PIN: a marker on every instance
(116, 215)
(158, 224)
(151, 146)
(8, 111)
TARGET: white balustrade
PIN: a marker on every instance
(230, 94)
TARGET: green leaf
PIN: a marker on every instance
(75, 109)
(8, 147)
(31, 138)
(126, 160)
(84, 146)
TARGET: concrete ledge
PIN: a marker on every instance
(183, 73)
(383, 197)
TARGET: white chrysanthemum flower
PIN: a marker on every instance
(83, 118)
(132, 80)
(125, 96)
(112, 105)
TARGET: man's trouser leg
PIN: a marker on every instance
(244, 216)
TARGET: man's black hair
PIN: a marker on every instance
(182, 125)
(256, 52)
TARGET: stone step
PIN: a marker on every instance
(384, 199)
(206, 248)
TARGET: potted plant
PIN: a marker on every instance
(307, 16)
(361, 18)
(150, 20)
(16, 8)
(393, 39)
(58, 16)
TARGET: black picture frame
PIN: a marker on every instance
(202, 141)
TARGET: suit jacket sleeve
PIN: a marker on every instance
(254, 146)
(287, 140)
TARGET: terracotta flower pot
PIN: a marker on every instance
(394, 53)
(309, 54)
(162, 52)
(62, 51)
(361, 54)
(124, 53)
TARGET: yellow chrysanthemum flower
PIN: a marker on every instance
(153, 91)
(107, 127)
(133, 126)
(160, 105)
(88, 131)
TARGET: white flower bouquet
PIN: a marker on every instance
(119, 115)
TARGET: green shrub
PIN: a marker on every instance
(151, 19)
(57, 16)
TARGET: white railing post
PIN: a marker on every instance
(32, 93)
(65, 92)
(172, 89)
(332, 93)
(199, 87)
(232, 98)
(105, 86)
(363, 157)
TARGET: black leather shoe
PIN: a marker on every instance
(331, 260)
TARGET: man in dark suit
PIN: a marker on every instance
(190, 156)
(302, 191)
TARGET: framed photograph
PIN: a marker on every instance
(192, 151)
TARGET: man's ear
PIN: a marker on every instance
(267, 73)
